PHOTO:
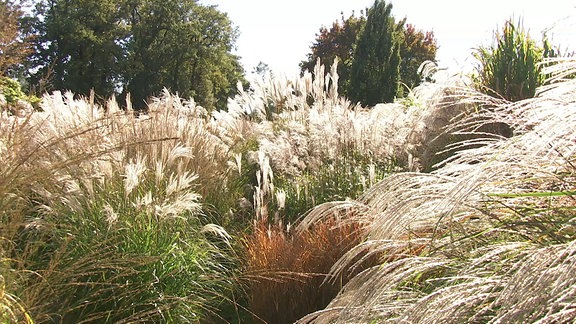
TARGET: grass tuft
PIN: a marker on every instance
(286, 272)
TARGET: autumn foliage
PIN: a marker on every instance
(13, 47)
(418, 46)
(337, 42)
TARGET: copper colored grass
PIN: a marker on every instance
(286, 271)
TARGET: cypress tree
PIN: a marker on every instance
(375, 71)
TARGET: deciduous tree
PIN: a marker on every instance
(338, 41)
(80, 45)
(137, 47)
(183, 46)
(417, 47)
(14, 43)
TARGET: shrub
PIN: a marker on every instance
(11, 90)
(15, 98)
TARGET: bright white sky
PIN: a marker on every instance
(279, 32)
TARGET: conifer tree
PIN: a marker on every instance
(375, 71)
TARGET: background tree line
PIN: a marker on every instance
(116, 47)
(14, 44)
(139, 47)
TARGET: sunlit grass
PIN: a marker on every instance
(293, 201)
(104, 221)
(494, 223)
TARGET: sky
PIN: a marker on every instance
(280, 33)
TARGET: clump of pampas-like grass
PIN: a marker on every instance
(493, 225)
(102, 215)
(312, 140)
(315, 146)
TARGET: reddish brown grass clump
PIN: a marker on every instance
(287, 271)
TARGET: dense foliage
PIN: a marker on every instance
(375, 70)
(417, 47)
(511, 68)
(337, 42)
(340, 41)
(14, 41)
(137, 48)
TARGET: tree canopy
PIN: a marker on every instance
(137, 47)
(341, 40)
(337, 42)
(14, 43)
(417, 47)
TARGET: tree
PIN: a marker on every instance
(510, 68)
(262, 70)
(185, 47)
(417, 47)
(338, 41)
(375, 71)
(137, 47)
(14, 43)
(79, 45)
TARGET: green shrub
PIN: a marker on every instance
(12, 92)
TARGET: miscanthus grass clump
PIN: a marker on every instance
(314, 146)
(488, 236)
(102, 218)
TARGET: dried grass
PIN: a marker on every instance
(496, 221)
(286, 272)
